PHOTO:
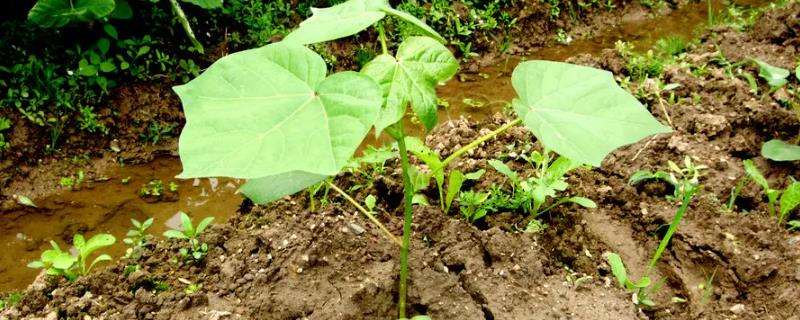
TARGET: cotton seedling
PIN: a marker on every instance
(61, 263)
(276, 117)
(197, 250)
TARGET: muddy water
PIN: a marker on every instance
(108, 206)
(105, 206)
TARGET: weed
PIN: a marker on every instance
(11, 300)
(787, 199)
(5, 124)
(471, 205)
(137, 238)
(683, 180)
(61, 263)
(156, 131)
(538, 194)
(73, 182)
(197, 250)
(642, 289)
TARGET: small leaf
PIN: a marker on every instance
(754, 174)
(411, 78)
(175, 234)
(203, 224)
(504, 169)
(186, 222)
(107, 66)
(101, 258)
(579, 112)
(790, 198)
(475, 175)
(110, 31)
(778, 150)
(420, 199)
(339, 21)
(370, 202)
(96, 242)
(454, 183)
(583, 202)
(775, 76)
(36, 265)
(617, 268)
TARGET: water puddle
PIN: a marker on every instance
(108, 206)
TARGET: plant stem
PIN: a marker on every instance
(399, 135)
(366, 213)
(382, 37)
(688, 194)
(475, 143)
(185, 24)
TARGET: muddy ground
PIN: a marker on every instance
(284, 261)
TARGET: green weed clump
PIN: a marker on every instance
(197, 250)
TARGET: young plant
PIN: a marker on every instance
(642, 289)
(787, 199)
(686, 183)
(137, 238)
(471, 205)
(273, 115)
(197, 250)
(62, 263)
(538, 194)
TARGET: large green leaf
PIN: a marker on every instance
(579, 112)
(206, 4)
(348, 18)
(94, 243)
(339, 21)
(270, 111)
(779, 150)
(412, 77)
(268, 189)
(58, 13)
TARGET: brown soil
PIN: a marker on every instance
(286, 262)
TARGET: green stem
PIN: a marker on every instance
(185, 24)
(382, 37)
(475, 143)
(366, 213)
(688, 194)
(399, 135)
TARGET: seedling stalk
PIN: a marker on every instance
(398, 134)
(366, 213)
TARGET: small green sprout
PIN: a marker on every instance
(191, 288)
(73, 182)
(197, 250)
(61, 263)
(641, 289)
(12, 299)
(787, 199)
(173, 187)
(137, 238)
(370, 202)
(776, 77)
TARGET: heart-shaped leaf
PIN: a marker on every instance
(579, 112)
(348, 18)
(271, 111)
(58, 13)
(779, 150)
(411, 77)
